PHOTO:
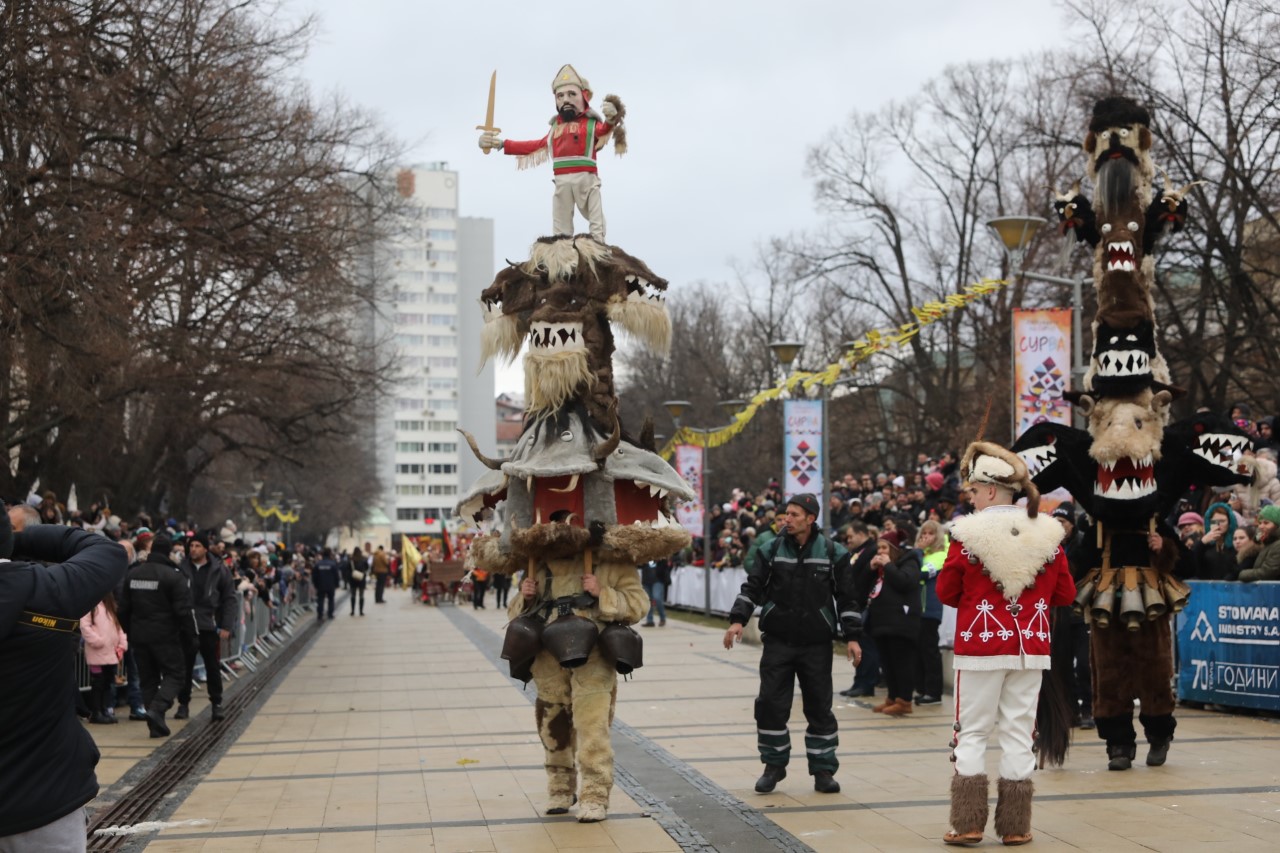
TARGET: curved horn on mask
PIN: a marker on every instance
(602, 452)
(489, 462)
(1085, 405)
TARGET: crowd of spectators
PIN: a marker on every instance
(223, 575)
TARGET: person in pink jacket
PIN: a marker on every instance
(104, 644)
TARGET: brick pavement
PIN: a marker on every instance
(398, 732)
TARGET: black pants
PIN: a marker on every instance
(208, 646)
(357, 590)
(500, 592)
(379, 584)
(867, 675)
(781, 666)
(1083, 694)
(478, 589)
(929, 659)
(101, 688)
(898, 659)
(161, 672)
(323, 595)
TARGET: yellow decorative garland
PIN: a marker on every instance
(874, 342)
(290, 517)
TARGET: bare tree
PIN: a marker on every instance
(182, 232)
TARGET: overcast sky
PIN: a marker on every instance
(724, 99)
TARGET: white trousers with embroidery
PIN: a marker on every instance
(1003, 699)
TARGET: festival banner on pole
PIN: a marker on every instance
(689, 466)
(1041, 366)
(802, 446)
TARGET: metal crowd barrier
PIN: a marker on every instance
(263, 628)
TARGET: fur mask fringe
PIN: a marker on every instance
(550, 380)
(500, 337)
(650, 323)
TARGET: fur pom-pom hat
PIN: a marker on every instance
(989, 463)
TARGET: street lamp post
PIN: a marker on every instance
(676, 409)
(1015, 234)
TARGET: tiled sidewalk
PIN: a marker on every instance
(398, 732)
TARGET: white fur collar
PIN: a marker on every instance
(1014, 561)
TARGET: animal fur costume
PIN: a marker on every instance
(572, 144)
(1129, 468)
(577, 495)
(1004, 572)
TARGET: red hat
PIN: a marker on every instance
(934, 480)
(896, 538)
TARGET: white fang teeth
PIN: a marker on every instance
(492, 310)
(1038, 458)
(644, 292)
(557, 337)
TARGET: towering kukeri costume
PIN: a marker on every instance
(579, 503)
(1130, 466)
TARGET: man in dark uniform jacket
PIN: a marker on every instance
(46, 757)
(804, 585)
(156, 613)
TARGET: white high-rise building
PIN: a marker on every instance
(437, 268)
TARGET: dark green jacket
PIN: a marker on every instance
(803, 593)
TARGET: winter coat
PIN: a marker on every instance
(893, 598)
(104, 640)
(795, 587)
(156, 605)
(1267, 565)
(324, 575)
(213, 595)
(1003, 573)
(46, 756)
(381, 562)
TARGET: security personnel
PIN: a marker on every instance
(803, 582)
(156, 612)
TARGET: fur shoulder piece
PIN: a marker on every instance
(1012, 547)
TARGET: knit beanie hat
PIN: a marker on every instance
(1270, 513)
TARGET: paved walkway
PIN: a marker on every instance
(401, 731)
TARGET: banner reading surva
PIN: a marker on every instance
(689, 466)
(1041, 366)
(802, 445)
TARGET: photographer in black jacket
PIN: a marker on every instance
(46, 757)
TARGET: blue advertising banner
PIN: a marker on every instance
(1229, 645)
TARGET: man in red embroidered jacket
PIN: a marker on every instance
(576, 134)
(1004, 572)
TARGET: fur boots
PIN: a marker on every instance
(1013, 811)
(969, 809)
